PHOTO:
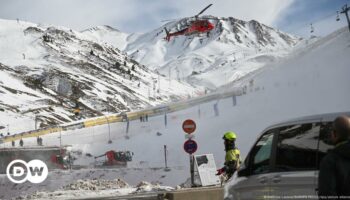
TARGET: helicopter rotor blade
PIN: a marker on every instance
(210, 18)
(178, 19)
(186, 18)
(203, 10)
(168, 20)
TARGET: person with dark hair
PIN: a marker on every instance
(21, 142)
(334, 174)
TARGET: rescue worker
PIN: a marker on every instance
(232, 159)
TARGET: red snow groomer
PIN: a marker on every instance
(115, 158)
(61, 160)
(57, 159)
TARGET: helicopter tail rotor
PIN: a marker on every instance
(167, 34)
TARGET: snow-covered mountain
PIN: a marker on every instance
(231, 50)
(46, 71)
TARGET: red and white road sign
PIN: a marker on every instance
(189, 126)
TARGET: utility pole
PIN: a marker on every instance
(166, 163)
(165, 119)
(109, 131)
(127, 129)
(35, 122)
(345, 11)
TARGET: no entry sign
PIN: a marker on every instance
(189, 126)
(190, 146)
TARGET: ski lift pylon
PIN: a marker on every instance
(312, 28)
(337, 16)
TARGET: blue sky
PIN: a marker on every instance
(292, 16)
(321, 13)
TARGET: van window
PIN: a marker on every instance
(297, 147)
(325, 143)
(261, 153)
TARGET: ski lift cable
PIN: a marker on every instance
(328, 16)
(317, 20)
(314, 22)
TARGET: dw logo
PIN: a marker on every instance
(35, 171)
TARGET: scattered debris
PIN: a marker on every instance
(96, 184)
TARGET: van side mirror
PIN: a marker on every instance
(244, 171)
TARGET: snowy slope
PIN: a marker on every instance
(107, 34)
(313, 80)
(46, 71)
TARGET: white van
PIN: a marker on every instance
(284, 161)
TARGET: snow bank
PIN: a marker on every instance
(97, 189)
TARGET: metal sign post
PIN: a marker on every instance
(190, 146)
(192, 170)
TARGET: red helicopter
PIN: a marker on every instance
(195, 27)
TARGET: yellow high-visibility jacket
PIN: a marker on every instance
(232, 161)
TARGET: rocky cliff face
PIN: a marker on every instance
(49, 72)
